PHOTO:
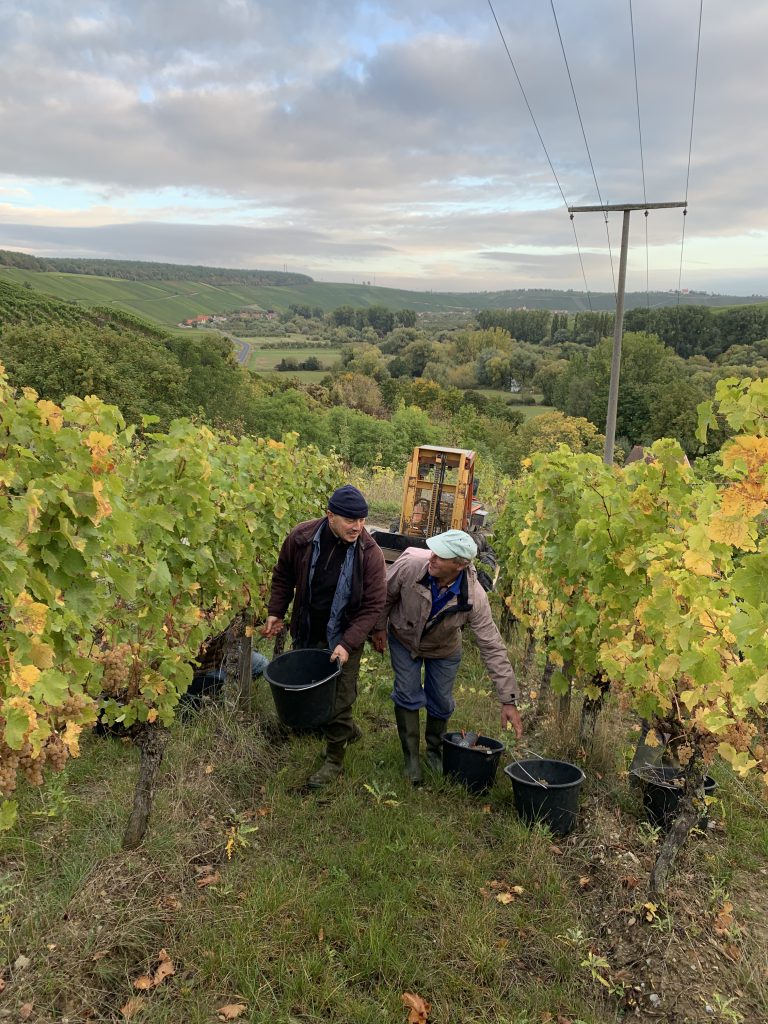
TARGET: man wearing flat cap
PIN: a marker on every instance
(334, 572)
(431, 595)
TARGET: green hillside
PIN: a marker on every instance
(151, 293)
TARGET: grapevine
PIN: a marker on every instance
(656, 579)
(119, 557)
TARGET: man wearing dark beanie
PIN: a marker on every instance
(334, 572)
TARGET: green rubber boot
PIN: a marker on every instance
(331, 768)
(408, 731)
(433, 732)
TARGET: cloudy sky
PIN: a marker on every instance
(387, 140)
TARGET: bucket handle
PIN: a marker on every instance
(538, 782)
(319, 682)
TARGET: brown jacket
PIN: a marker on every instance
(409, 602)
(289, 583)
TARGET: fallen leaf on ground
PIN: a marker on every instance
(504, 897)
(585, 881)
(262, 812)
(650, 911)
(321, 936)
(419, 1009)
(732, 951)
(724, 920)
(518, 890)
(211, 879)
(165, 970)
(2, 984)
(132, 1007)
(486, 808)
(231, 1011)
(21, 962)
(209, 769)
(25, 1010)
(100, 955)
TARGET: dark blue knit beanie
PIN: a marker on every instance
(347, 501)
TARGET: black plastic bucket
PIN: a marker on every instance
(303, 684)
(661, 795)
(547, 792)
(475, 767)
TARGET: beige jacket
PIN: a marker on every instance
(407, 608)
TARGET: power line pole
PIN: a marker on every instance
(618, 329)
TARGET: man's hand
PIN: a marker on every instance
(511, 716)
(272, 626)
(340, 653)
(379, 640)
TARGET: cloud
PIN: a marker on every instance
(385, 127)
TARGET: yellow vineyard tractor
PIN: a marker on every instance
(439, 494)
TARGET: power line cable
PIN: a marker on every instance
(642, 160)
(546, 152)
(584, 136)
(690, 148)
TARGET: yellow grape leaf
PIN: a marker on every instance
(732, 530)
(24, 677)
(28, 614)
(746, 498)
(71, 738)
(555, 658)
(103, 507)
(652, 739)
(760, 688)
(740, 761)
(50, 414)
(698, 563)
(41, 655)
(753, 450)
(98, 443)
(418, 1007)
(30, 394)
(152, 715)
(33, 508)
(707, 621)
(668, 668)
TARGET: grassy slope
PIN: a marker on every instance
(343, 900)
(169, 302)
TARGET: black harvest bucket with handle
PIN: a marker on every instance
(303, 684)
(547, 791)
